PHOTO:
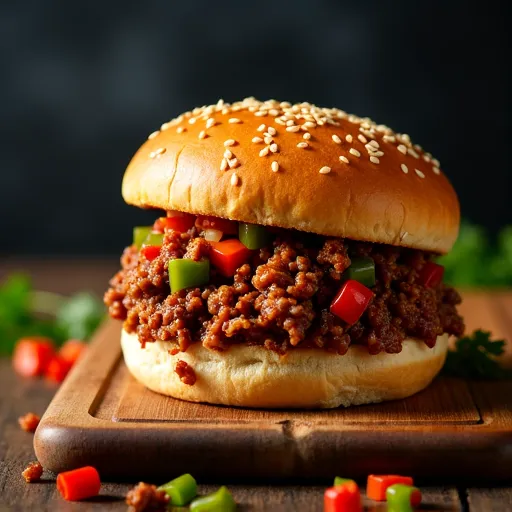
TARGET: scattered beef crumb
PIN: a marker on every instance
(186, 373)
(33, 472)
(29, 422)
(146, 497)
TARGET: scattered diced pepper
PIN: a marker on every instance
(178, 221)
(181, 490)
(220, 501)
(342, 481)
(156, 239)
(72, 350)
(79, 484)
(402, 498)
(228, 227)
(377, 485)
(57, 369)
(140, 234)
(351, 301)
(253, 236)
(362, 270)
(343, 498)
(431, 274)
(32, 356)
(151, 252)
(228, 256)
(185, 273)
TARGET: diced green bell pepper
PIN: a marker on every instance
(154, 239)
(401, 498)
(362, 270)
(220, 501)
(181, 490)
(253, 236)
(140, 234)
(341, 481)
(185, 273)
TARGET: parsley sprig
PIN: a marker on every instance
(475, 356)
(27, 312)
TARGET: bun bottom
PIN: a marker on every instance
(250, 376)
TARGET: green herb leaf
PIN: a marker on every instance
(474, 358)
(80, 316)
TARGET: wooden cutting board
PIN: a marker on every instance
(101, 416)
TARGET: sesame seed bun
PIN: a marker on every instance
(251, 376)
(297, 166)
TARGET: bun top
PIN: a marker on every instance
(299, 167)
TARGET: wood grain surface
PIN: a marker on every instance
(18, 396)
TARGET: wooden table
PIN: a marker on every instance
(18, 396)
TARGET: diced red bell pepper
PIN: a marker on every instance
(377, 485)
(72, 350)
(32, 356)
(57, 370)
(180, 222)
(351, 301)
(151, 252)
(343, 498)
(431, 274)
(228, 256)
(228, 227)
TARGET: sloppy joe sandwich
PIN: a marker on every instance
(292, 262)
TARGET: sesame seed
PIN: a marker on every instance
(264, 151)
(260, 113)
(436, 170)
(228, 154)
(152, 154)
(349, 138)
(426, 158)
(261, 128)
(153, 135)
(404, 168)
(268, 140)
(226, 110)
(325, 170)
(362, 138)
(181, 129)
(274, 148)
(234, 179)
(310, 124)
(344, 159)
(374, 143)
(419, 173)
(389, 138)
(435, 161)
(210, 122)
(257, 140)
(274, 166)
(192, 120)
(223, 164)
(374, 160)
(354, 152)
(336, 139)
(273, 112)
(377, 153)
(229, 142)
(307, 136)
(402, 149)
(272, 130)
(290, 122)
(165, 126)
(292, 128)
(413, 153)
(280, 121)
(234, 120)
(302, 145)
(202, 134)
(233, 163)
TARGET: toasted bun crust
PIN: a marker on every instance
(396, 199)
(304, 378)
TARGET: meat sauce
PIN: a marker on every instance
(280, 298)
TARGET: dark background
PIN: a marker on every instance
(82, 87)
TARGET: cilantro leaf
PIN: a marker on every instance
(80, 316)
(474, 358)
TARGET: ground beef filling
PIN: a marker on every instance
(280, 299)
